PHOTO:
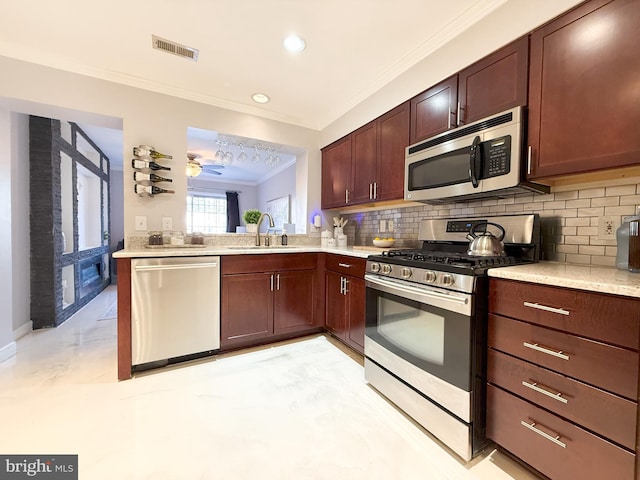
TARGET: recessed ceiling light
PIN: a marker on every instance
(294, 44)
(260, 98)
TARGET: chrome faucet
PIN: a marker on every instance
(271, 225)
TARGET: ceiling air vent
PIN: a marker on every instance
(175, 48)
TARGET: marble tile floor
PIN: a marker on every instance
(299, 410)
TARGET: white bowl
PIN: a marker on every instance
(383, 243)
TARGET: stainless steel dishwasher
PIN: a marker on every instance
(175, 307)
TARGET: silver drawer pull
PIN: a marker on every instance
(534, 386)
(546, 308)
(548, 351)
(532, 427)
(344, 265)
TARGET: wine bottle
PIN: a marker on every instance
(149, 178)
(146, 166)
(146, 150)
(149, 190)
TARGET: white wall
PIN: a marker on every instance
(278, 186)
(117, 207)
(14, 235)
(508, 22)
(145, 118)
(20, 234)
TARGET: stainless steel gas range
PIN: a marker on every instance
(426, 324)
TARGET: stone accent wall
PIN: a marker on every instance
(47, 258)
(569, 219)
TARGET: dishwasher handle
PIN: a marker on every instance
(183, 266)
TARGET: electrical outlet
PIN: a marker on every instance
(607, 227)
(167, 223)
(390, 225)
(141, 222)
(383, 226)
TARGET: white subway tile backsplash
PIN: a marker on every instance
(568, 218)
(591, 193)
(620, 190)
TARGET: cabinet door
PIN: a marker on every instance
(356, 313)
(247, 308)
(583, 112)
(434, 110)
(393, 138)
(364, 154)
(336, 173)
(336, 307)
(496, 83)
(293, 301)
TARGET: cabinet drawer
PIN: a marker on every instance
(580, 454)
(347, 265)
(607, 318)
(595, 409)
(605, 366)
(270, 262)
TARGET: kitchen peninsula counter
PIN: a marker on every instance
(193, 250)
(581, 277)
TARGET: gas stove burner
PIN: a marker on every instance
(439, 259)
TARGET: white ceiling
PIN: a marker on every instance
(354, 48)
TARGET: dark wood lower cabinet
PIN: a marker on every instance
(247, 308)
(280, 300)
(345, 301)
(562, 375)
(555, 447)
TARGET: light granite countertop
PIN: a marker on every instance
(581, 277)
(197, 250)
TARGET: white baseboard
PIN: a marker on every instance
(22, 330)
(7, 351)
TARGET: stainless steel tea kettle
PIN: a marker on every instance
(485, 244)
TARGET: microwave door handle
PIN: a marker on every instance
(475, 161)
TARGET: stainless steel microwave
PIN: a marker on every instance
(479, 160)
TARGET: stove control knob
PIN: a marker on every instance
(406, 272)
(448, 280)
(386, 269)
(375, 267)
(429, 276)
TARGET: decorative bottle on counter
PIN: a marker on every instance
(147, 166)
(146, 150)
(149, 178)
(150, 190)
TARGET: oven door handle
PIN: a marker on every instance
(417, 294)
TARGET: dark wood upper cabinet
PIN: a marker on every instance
(496, 83)
(375, 156)
(584, 111)
(393, 138)
(434, 110)
(336, 173)
(364, 156)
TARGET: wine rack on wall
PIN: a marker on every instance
(147, 173)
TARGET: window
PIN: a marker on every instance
(206, 214)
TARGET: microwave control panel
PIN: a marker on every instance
(496, 157)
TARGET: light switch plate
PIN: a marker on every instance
(167, 223)
(383, 226)
(390, 225)
(141, 222)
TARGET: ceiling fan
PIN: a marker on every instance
(195, 168)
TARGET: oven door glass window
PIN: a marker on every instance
(434, 339)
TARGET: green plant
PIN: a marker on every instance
(251, 216)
